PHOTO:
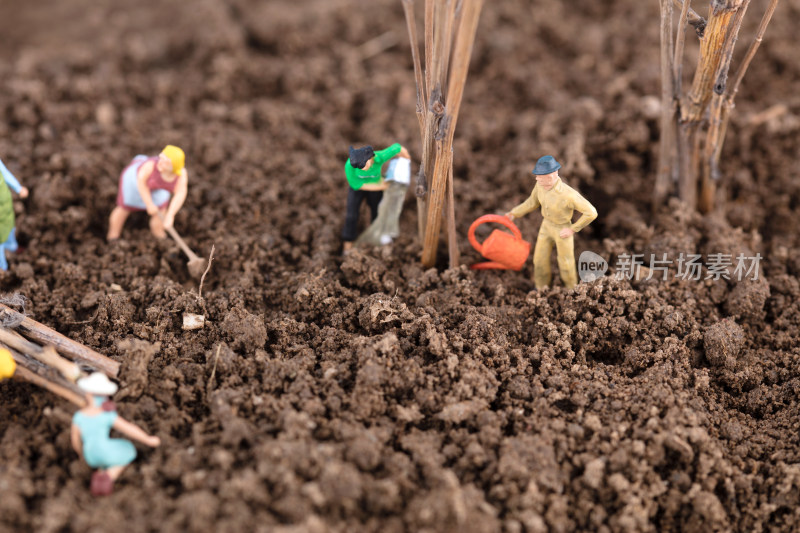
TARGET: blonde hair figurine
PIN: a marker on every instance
(157, 185)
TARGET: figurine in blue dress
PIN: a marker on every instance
(8, 237)
(90, 435)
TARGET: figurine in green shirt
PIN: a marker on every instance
(363, 172)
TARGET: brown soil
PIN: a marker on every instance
(367, 393)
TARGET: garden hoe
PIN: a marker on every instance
(196, 264)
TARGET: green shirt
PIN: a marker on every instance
(357, 177)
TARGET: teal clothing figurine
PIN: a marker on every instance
(99, 449)
(8, 233)
(91, 429)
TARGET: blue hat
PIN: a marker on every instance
(546, 165)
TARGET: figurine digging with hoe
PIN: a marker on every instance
(158, 185)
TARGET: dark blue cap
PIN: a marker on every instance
(546, 165)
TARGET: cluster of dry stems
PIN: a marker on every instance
(693, 125)
(35, 349)
(450, 27)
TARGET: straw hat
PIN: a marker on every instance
(98, 384)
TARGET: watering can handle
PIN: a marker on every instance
(491, 218)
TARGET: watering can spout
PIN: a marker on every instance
(505, 252)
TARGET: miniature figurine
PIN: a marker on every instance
(386, 227)
(363, 172)
(90, 434)
(558, 201)
(8, 231)
(7, 364)
(147, 184)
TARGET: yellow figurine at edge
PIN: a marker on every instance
(558, 202)
(7, 364)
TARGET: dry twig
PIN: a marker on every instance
(668, 106)
(450, 27)
(203, 277)
(40, 333)
(692, 137)
(422, 103)
(73, 395)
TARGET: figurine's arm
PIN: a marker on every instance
(382, 156)
(531, 204)
(181, 189)
(587, 210)
(75, 439)
(135, 432)
(144, 191)
(12, 181)
(350, 174)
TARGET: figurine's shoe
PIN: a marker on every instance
(102, 484)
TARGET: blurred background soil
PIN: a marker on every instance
(366, 393)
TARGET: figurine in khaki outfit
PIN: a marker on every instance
(558, 202)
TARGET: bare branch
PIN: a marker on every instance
(411, 23)
(666, 144)
(696, 21)
(751, 52)
(677, 62)
(462, 51)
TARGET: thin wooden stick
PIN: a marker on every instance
(693, 18)
(44, 354)
(677, 62)
(446, 31)
(708, 169)
(733, 88)
(751, 52)
(720, 33)
(422, 102)
(435, 108)
(462, 51)
(429, 12)
(43, 376)
(24, 374)
(422, 105)
(452, 237)
(668, 132)
(203, 277)
(378, 45)
(73, 350)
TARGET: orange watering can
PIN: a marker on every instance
(507, 252)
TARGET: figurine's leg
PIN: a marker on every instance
(102, 483)
(115, 471)
(542, 273)
(11, 243)
(3, 261)
(373, 201)
(565, 249)
(157, 227)
(115, 222)
(350, 230)
(394, 197)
